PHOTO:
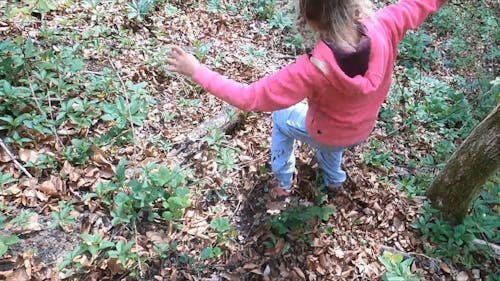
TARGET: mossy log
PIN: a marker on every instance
(226, 120)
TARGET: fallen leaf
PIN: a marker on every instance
(444, 267)
(70, 171)
(462, 276)
(48, 188)
(249, 266)
(4, 157)
(28, 155)
(99, 156)
(18, 275)
(339, 253)
(300, 273)
(157, 238)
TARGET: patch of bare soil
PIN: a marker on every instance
(40, 249)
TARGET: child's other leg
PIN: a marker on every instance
(330, 163)
(287, 125)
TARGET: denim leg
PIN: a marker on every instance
(289, 125)
(282, 150)
(330, 163)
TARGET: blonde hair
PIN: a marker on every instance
(336, 20)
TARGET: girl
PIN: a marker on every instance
(345, 80)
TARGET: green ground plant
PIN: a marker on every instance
(456, 243)
(47, 85)
(6, 241)
(397, 267)
(5, 179)
(63, 217)
(448, 110)
(297, 217)
(158, 193)
(140, 9)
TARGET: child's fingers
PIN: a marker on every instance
(176, 49)
(171, 61)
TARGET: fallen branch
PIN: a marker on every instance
(493, 247)
(127, 101)
(405, 254)
(226, 120)
(13, 158)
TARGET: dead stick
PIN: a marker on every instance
(124, 88)
(6, 149)
(141, 271)
(405, 254)
(493, 247)
(50, 113)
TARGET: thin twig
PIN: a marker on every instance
(406, 254)
(35, 98)
(91, 72)
(493, 247)
(6, 149)
(138, 254)
(132, 127)
(237, 208)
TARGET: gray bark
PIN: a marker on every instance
(467, 170)
(226, 120)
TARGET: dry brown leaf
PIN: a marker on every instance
(18, 275)
(106, 172)
(445, 267)
(70, 171)
(158, 238)
(29, 182)
(299, 272)
(28, 155)
(99, 156)
(462, 276)
(249, 266)
(12, 190)
(114, 266)
(41, 196)
(4, 157)
(48, 188)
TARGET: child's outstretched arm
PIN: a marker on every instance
(280, 90)
(406, 14)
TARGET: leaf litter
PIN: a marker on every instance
(368, 213)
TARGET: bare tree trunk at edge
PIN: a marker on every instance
(467, 170)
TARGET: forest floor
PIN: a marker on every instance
(227, 231)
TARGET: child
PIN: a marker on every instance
(345, 80)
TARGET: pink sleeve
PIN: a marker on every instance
(287, 87)
(406, 14)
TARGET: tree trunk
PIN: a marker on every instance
(467, 170)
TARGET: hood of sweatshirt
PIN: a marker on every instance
(371, 81)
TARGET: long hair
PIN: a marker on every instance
(335, 20)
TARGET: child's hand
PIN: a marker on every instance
(182, 62)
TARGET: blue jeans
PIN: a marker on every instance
(288, 126)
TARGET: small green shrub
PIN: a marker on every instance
(398, 268)
(6, 241)
(455, 243)
(298, 217)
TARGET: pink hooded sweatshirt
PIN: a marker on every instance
(342, 110)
